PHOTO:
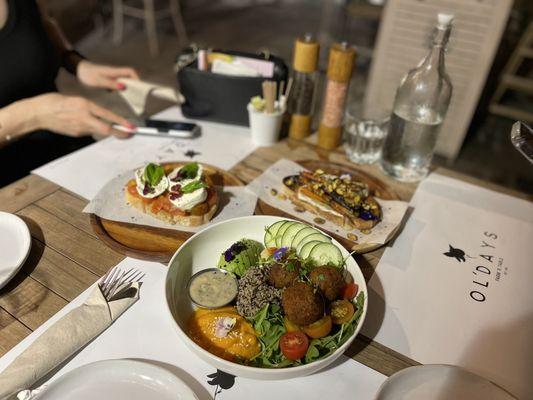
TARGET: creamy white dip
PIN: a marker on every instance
(212, 288)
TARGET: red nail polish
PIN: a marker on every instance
(121, 86)
(131, 126)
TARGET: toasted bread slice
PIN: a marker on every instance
(315, 204)
(161, 207)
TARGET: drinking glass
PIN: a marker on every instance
(364, 133)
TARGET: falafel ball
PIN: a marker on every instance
(329, 280)
(281, 276)
(302, 304)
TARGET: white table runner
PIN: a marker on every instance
(456, 286)
(85, 171)
(146, 331)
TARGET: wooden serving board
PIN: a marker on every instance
(376, 185)
(147, 242)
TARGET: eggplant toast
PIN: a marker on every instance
(340, 199)
(179, 194)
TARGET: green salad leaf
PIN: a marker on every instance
(153, 174)
(189, 171)
(323, 347)
(193, 186)
(268, 323)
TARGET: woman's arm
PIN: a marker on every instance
(69, 58)
(72, 116)
(88, 73)
(17, 119)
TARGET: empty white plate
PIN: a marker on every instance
(118, 379)
(439, 382)
(15, 244)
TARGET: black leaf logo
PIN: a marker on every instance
(458, 254)
(222, 380)
(191, 153)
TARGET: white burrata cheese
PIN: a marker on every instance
(141, 182)
(188, 200)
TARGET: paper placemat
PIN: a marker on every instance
(110, 203)
(455, 287)
(147, 332)
(85, 171)
(393, 210)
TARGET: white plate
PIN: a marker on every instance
(442, 382)
(202, 251)
(15, 244)
(118, 379)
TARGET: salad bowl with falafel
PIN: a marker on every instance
(265, 298)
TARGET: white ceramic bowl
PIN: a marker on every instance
(202, 251)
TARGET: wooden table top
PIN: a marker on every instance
(66, 256)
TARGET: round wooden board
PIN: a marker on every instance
(376, 185)
(147, 242)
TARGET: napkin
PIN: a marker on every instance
(64, 338)
(137, 92)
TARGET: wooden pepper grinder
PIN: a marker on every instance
(305, 76)
(340, 65)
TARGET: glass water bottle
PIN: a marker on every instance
(419, 109)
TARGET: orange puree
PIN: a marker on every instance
(240, 343)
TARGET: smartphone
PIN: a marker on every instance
(156, 127)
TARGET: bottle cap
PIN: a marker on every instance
(340, 63)
(305, 54)
(445, 19)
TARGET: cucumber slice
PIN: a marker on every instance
(282, 230)
(326, 254)
(270, 233)
(307, 248)
(291, 232)
(301, 234)
(316, 236)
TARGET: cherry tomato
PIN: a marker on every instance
(320, 328)
(291, 326)
(349, 291)
(341, 311)
(294, 345)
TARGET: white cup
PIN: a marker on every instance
(264, 127)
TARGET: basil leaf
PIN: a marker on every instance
(153, 174)
(189, 171)
(193, 186)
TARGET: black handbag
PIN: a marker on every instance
(223, 98)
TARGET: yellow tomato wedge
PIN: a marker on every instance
(320, 328)
(341, 311)
(291, 326)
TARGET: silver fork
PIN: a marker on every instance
(113, 280)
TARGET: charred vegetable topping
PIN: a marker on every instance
(340, 192)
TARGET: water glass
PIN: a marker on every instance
(364, 134)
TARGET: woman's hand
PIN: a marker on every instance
(104, 76)
(75, 116)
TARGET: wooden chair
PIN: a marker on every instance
(510, 80)
(150, 16)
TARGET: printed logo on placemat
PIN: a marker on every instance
(221, 380)
(191, 153)
(456, 253)
(484, 266)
